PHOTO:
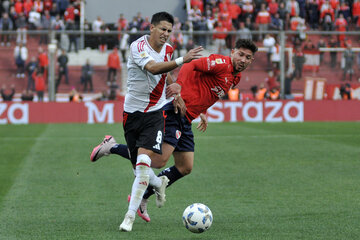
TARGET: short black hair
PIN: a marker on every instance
(162, 16)
(247, 44)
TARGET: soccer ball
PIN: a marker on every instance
(197, 218)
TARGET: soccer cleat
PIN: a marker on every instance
(160, 192)
(142, 210)
(126, 225)
(103, 149)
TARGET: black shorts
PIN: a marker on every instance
(145, 130)
(178, 132)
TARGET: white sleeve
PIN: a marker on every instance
(139, 55)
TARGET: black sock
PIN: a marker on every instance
(120, 149)
(173, 175)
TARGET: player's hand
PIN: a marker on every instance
(203, 123)
(193, 54)
(173, 89)
(179, 105)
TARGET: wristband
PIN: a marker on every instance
(179, 61)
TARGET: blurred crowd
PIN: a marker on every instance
(217, 16)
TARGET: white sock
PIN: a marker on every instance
(154, 180)
(141, 182)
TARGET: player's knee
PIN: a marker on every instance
(185, 170)
(159, 161)
(143, 160)
(143, 163)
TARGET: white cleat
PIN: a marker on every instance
(160, 192)
(103, 149)
(126, 225)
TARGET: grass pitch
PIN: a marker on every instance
(261, 181)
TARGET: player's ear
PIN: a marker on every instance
(152, 27)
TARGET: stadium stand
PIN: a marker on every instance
(204, 16)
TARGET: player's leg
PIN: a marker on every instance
(144, 176)
(184, 162)
(104, 148)
(109, 146)
(183, 152)
(183, 165)
(149, 141)
(159, 162)
(141, 182)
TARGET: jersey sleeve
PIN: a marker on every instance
(139, 54)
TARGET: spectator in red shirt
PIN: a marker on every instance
(19, 7)
(263, 20)
(334, 4)
(47, 5)
(28, 5)
(356, 10)
(198, 3)
(43, 61)
(39, 80)
(70, 13)
(220, 37)
(113, 65)
(273, 7)
(341, 26)
(271, 80)
(235, 13)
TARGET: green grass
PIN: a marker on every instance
(261, 181)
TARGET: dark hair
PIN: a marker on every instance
(162, 16)
(247, 44)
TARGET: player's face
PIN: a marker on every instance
(160, 33)
(241, 58)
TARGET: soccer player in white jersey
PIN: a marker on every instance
(148, 63)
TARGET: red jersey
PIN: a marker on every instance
(113, 61)
(19, 7)
(356, 9)
(341, 24)
(204, 81)
(43, 60)
(39, 82)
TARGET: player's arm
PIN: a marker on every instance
(169, 79)
(203, 123)
(163, 67)
(178, 102)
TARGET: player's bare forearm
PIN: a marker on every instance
(202, 126)
(169, 79)
(173, 89)
(164, 67)
(160, 67)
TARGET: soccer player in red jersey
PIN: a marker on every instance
(201, 83)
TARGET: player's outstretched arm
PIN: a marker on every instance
(164, 67)
(203, 123)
